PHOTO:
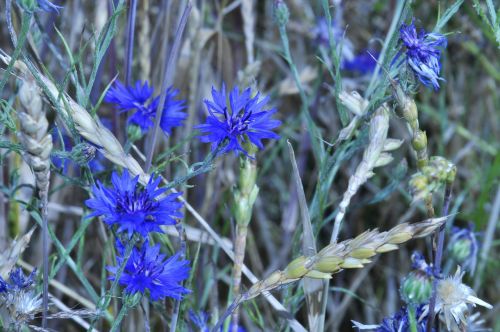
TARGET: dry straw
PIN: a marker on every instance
(375, 155)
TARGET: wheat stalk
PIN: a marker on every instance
(375, 155)
(37, 142)
(88, 127)
(348, 254)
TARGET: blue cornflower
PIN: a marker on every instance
(17, 280)
(400, 321)
(138, 98)
(463, 247)
(133, 209)
(422, 53)
(48, 6)
(148, 270)
(235, 123)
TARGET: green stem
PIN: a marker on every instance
(106, 298)
(116, 324)
(412, 318)
(25, 25)
(313, 131)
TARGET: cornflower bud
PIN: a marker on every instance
(416, 287)
(82, 153)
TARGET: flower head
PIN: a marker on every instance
(134, 209)
(398, 322)
(19, 281)
(422, 53)
(139, 98)
(18, 301)
(148, 270)
(463, 248)
(237, 121)
(453, 299)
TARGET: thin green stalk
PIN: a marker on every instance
(118, 321)
(25, 25)
(412, 318)
(244, 195)
(313, 131)
(104, 300)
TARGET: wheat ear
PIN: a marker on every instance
(37, 142)
(91, 129)
(348, 254)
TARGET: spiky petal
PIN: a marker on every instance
(231, 124)
(147, 270)
(134, 209)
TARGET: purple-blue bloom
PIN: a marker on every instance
(148, 270)
(400, 321)
(237, 120)
(17, 280)
(134, 209)
(48, 6)
(139, 98)
(422, 53)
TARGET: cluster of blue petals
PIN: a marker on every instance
(233, 121)
(423, 54)
(149, 270)
(139, 99)
(132, 209)
(17, 281)
(400, 321)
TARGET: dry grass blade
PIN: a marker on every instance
(10, 255)
(313, 288)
